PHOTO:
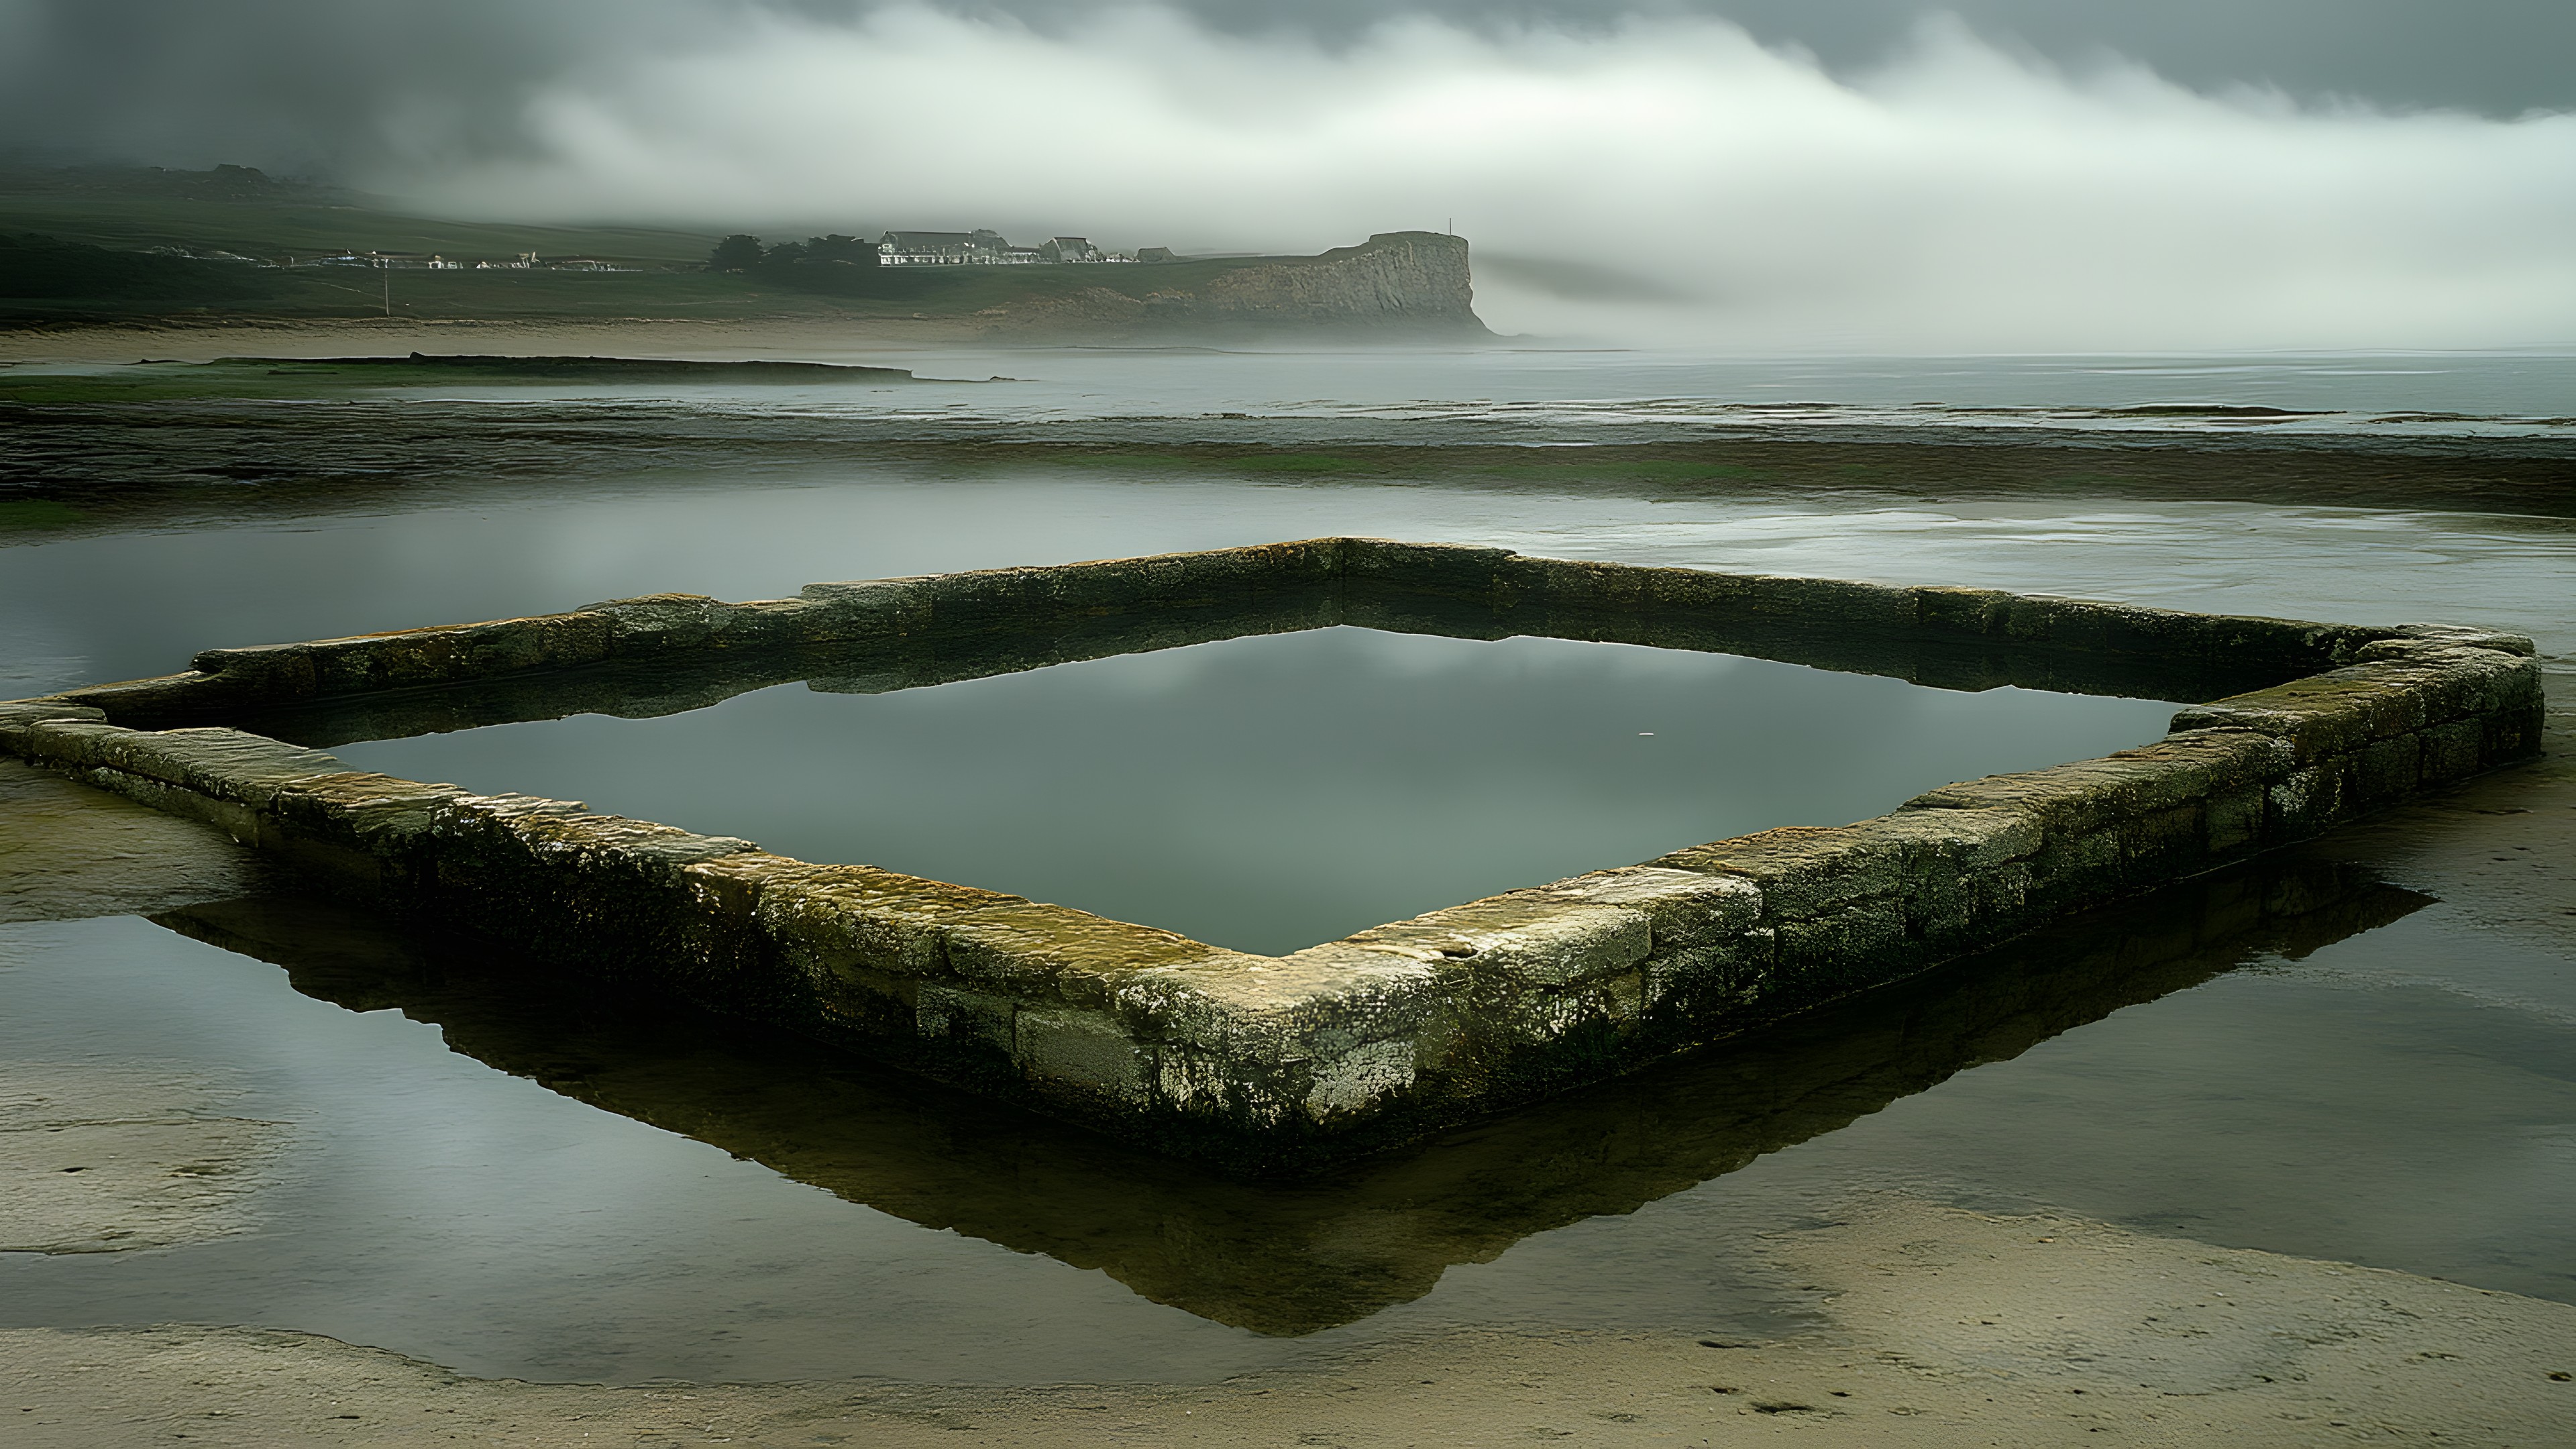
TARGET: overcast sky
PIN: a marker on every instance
(1987, 173)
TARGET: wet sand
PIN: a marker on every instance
(1938, 1327)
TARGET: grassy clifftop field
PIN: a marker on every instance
(96, 245)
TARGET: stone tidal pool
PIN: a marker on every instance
(440, 1152)
(1270, 793)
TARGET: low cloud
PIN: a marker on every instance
(1662, 180)
(1668, 181)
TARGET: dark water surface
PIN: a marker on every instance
(505, 1177)
(1274, 792)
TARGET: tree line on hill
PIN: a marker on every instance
(832, 263)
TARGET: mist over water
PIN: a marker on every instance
(1899, 180)
(1664, 180)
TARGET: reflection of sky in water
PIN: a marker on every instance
(1271, 793)
(120, 606)
(431, 1205)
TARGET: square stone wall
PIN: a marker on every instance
(1282, 1063)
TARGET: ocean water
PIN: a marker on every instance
(1568, 397)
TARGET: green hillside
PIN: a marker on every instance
(79, 245)
(230, 244)
(236, 209)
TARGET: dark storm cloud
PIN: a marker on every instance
(2497, 57)
(302, 84)
(1765, 174)
(297, 85)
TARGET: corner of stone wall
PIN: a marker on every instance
(2411, 712)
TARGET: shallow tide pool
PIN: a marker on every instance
(1273, 792)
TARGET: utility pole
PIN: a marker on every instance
(389, 287)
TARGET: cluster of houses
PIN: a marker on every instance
(992, 249)
(897, 249)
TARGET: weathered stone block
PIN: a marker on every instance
(1038, 951)
(871, 608)
(18, 721)
(1858, 943)
(2453, 751)
(246, 769)
(1528, 937)
(1682, 907)
(839, 918)
(1452, 570)
(1929, 838)
(2233, 822)
(2083, 797)
(2076, 868)
(2164, 845)
(949, 1014)
(1838, 603)
(2390, 768)
(852, 1001)
(2458, 637)
(1500, 1027)
(1265, 1009)
(2342, 710)
(1999, 901)
(239, 821)
(1801, 869)
(1570, 589)
(2306, 801)
(1973, 613)
(170, 699)
(660, 624)
(1082, 1051)
(1710, 983)
(1359, 1079)
(382, 815)
(410, 657)
(1958, 871)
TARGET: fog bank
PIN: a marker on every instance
(1665, 180)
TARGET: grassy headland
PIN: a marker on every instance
(88, 246)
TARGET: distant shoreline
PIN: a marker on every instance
(731, 339)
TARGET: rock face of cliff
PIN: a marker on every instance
(1401, 285)
(1410, 280)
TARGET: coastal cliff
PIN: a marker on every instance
(86, 249)
(1404, 284)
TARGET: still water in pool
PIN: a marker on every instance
(1273, 792)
